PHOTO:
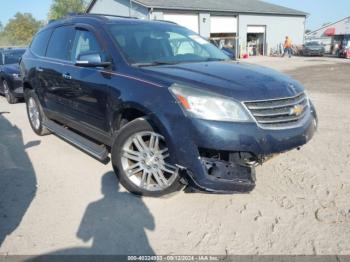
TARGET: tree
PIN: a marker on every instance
(61, 8)
(21, 28)
(1, 27)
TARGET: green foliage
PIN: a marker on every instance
(61, 8)
(19, 30)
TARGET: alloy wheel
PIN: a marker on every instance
(6, 91)
(34, 114)
(145, 162)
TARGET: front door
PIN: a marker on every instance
(89, 87)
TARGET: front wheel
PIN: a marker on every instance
(10, 97)
(35, 113)
(140, 158)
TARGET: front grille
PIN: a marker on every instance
(279, 113)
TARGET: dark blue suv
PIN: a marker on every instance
(169, 108)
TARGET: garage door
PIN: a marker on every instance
(223, 24)
(189, 21)
(256, 29)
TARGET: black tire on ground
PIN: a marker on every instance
(40, 130)
(10, 97)
(128, 130)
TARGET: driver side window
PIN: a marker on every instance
(84, 42)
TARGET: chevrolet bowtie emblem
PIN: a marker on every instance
(296, 110)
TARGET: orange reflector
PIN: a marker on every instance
(183, 101)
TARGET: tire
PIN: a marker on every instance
(35, 113)
(10, 97)
(140, 159)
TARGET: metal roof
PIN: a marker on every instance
(237, 6)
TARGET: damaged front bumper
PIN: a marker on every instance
(221, 157)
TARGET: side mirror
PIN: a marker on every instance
(91, 59)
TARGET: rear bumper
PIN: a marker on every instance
(188, 137)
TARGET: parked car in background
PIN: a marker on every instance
(230, 52)
(313, 48)
(168, 107)
(10, 78)
(227, 50)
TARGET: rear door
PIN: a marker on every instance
(56, 92)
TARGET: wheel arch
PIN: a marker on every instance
(133, 111)
(130, 112)
(2, 77)
(26, 86)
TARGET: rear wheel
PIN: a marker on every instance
(35, 113)
(11, 99)
(140, 158)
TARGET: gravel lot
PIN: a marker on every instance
(56, 199)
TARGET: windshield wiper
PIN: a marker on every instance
(215, 59)
(155, 63)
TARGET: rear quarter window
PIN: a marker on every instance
(39, 42)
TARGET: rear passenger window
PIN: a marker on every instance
(60, 44)
(40, 41)
(84, 42)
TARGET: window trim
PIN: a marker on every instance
(90, 29)
(53, 58)
(47, 44)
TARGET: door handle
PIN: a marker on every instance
(67, 76)
(39, 69)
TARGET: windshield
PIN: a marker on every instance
(152, 44)
(13, 57)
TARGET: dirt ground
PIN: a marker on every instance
(54, 199)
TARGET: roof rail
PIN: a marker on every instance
(101, 15)
(167, 21)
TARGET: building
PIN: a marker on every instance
(250, 26)
(332, 35)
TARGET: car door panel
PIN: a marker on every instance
(88, 89)
(53, 68)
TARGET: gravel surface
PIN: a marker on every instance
(54, 199)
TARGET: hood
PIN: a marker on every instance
(244, 82)
(11, 68)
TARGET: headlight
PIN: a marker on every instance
(16, 76)
(209, 106)
(307, 98)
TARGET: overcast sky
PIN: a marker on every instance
(321, 11)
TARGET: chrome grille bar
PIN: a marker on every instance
(279, 113)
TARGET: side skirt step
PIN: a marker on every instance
(97, 151)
